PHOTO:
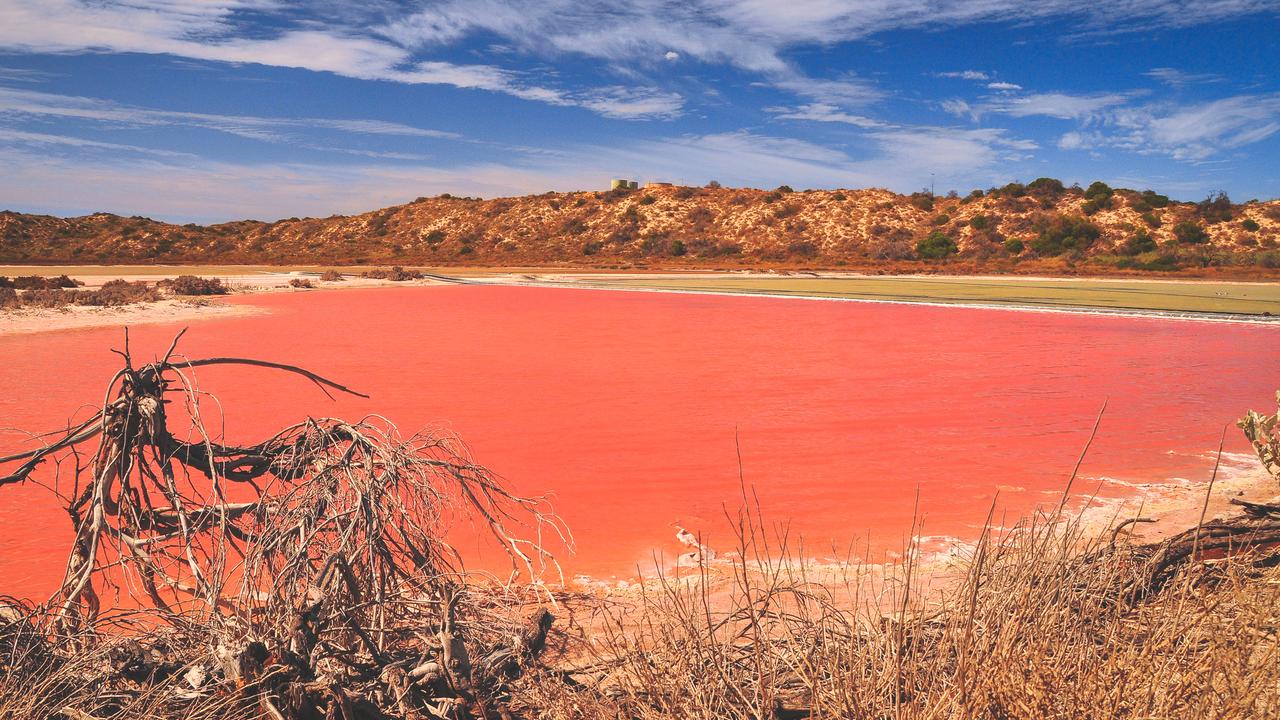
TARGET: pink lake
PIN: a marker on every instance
(625, 406)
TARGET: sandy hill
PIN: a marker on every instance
(1039, 225)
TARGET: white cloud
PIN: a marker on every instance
(381, 41)
(1003, 86)
(671, 56)
(203, 30)
(28, 103)
(1190, 132)
(964, 75)
(821, 112)
(901, 158)
(1178, 78)
(1053, 104)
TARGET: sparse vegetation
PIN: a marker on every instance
(1063, 234)
(302, 283)
(331, 276)
(1189, 232)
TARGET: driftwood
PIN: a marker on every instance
(304, 576)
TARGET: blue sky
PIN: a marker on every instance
(208, 110)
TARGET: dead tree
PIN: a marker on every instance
(305, 571)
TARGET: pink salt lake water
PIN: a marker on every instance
(625, 405)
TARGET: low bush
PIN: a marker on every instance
(1065, 234)
(922, 201)
(9, 298)
(1014, 246)
(1096, 204)
(1250, 225)
(1046, 187)
(979, 222)
(936, 246)
(1098, 189)
(399, 274)
(39, 282)
(301, 283)
(1140, 242)
(119, 292)
(331, 276)
(1151, 220)
(194, 285)
(1190, 232)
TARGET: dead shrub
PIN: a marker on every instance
(194, 285)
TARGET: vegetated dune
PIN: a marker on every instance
(1041, 226)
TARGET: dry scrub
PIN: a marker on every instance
(309, 576)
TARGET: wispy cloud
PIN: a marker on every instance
(1063, 106)
(1179, 78)
(976, 75)
(384, 41)
(821, 112)
(199, 189)
(30, 103)
(1194, 132)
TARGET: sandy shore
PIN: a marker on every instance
(34, 320)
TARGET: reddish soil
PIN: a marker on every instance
(626, 405)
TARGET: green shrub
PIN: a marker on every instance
(591, 248)
(1045, 186)
(942, 219)
(936, 246)
(1150, 219)
(1013, 189)
(979, 222)
(1014, 246)
(1065, 234)
(922, 200)
(677, 248)
(9, 298)
(648, 200)
(839, 197)
(1095, 204)
(1189, 232)
(1098, 189)
(332, 276)
(1154, 199)
(1269, 259)
(1140, 242)
(1250, 225)
(784, 189)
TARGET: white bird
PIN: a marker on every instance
(700, 552)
